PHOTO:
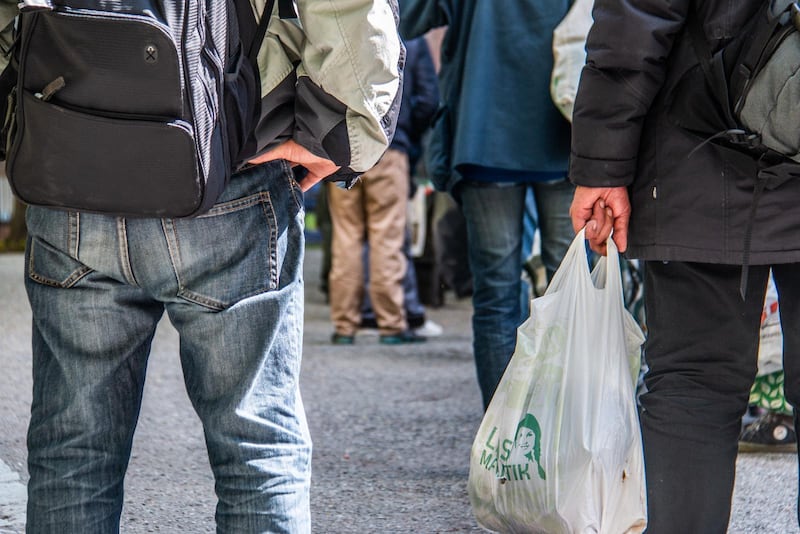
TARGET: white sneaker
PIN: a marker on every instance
(368, 332)
(429, 329)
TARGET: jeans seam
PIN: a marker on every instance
(272, 221)
(172, 249)
(65, 284)
(74, 238)
(202, 300)
(124, 252)
(294, 187)
(238, 204)
(68, 282)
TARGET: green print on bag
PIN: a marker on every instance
(541, 351)
(511, 460)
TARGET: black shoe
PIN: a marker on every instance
(403, 337)
(772, 432)
(415, 321)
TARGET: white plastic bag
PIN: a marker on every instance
(559, 449)
(417, 220)
(569, 55)
(770, 347)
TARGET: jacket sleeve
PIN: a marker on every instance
(332, 79)
(424, 90)
(8, 12)
(627, 50)
(417, 17)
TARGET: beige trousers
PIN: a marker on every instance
(374, 210)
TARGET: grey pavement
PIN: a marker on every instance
(392, 428)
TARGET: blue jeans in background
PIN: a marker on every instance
(494, 215)
(230, 282)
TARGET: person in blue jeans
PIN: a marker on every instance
(229, 280)
(496, 135)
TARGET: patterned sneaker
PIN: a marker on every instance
(403, 337)
(772, 432)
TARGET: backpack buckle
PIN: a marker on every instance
(745, 139)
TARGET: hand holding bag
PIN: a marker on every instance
(559, 449)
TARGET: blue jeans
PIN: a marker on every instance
(494, 215)
(230, 282)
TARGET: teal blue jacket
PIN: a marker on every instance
(496, 109)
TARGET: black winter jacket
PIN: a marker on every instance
(684, 207)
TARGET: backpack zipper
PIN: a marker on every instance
(106, 114)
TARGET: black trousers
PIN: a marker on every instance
(701, 351)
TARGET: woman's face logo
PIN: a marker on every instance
(528, 442)
(525, 439)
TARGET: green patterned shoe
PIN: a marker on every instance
(342, 339)
(403, 337)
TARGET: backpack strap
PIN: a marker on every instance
(766, 22)
(749, 58)
(699, 43)
(773, 23)
(286, 9)
(251, 34)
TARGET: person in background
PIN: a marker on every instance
(497, 134)
(375, 211)
(415, 310)
(229, 280)
(768, 425)
(683, 206)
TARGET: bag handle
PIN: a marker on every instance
(576, 264)
(613, 282)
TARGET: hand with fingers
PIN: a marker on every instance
(296, 154)
(601, 210)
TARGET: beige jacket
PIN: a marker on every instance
(345, 89)
(330, 79)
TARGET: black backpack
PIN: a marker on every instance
(138, 108)
(745, 95)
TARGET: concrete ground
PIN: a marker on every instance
(392, 429)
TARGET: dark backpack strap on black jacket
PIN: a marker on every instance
(728, 74)
(251, 34)
(702, 50)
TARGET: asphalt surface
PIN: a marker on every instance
(392, 429)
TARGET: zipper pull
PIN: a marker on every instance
(51, 88)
